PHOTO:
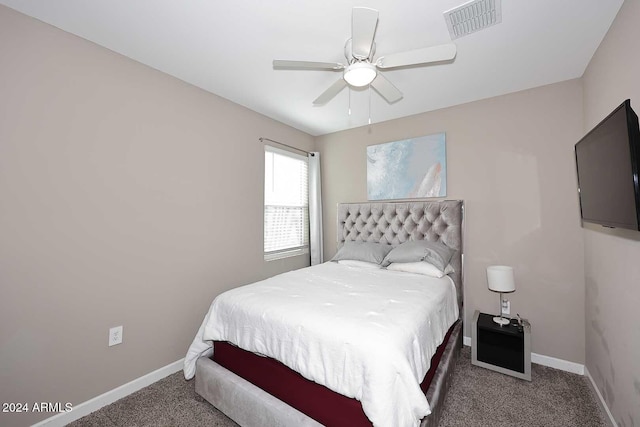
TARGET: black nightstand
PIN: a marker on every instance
(504, 349)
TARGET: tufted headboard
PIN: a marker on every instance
(397, 222)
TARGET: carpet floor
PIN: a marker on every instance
(478, 398)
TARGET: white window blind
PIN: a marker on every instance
(286, 204)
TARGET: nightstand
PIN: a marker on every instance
(504, 349)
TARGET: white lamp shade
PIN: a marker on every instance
(500, 278)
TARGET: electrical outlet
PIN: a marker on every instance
(506, 307)
(115, 336)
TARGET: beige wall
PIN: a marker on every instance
(510, 158)
(612, 267)
(127, 197)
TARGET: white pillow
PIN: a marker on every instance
(420, 267)
(359, 264)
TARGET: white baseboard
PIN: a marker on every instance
(92, 405)
(602, 403)
(552, 362)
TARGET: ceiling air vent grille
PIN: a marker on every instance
(473, 16)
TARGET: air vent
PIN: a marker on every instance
(473, 16)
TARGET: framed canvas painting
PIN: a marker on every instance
(407, 169)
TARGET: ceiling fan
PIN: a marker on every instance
(360, 69)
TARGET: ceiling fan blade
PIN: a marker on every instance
(363, 28)
(308, 65)
(386, 89)
(328, 94)
(425, 55)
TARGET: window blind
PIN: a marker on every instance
(286, 204)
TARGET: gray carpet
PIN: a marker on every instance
(478, 398)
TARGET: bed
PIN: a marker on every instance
(348, 375)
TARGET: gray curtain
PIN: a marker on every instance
(315, 210)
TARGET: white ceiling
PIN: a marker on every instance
(226, 47)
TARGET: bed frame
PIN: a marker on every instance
(385, 222)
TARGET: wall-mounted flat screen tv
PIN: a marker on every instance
(607, 160)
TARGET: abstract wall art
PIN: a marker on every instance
(407, 169)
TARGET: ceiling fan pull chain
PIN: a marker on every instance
(369, 103)
(349, 101)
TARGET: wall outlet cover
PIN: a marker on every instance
(506, 307)
(115, 336)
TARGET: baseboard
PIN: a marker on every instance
(552, 362)
(92, 405)
(601, 402)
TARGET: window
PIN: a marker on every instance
(286, 204)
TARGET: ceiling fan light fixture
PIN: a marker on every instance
(360, 74)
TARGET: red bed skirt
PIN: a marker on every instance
(316, 401)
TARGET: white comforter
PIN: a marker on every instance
(364, 333)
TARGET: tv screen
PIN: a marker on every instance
(607, 164)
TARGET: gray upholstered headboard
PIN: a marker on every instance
(397, 222)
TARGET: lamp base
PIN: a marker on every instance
(501, 320)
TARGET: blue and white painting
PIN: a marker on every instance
(407, 169)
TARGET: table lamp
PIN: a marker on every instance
(500, 279)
